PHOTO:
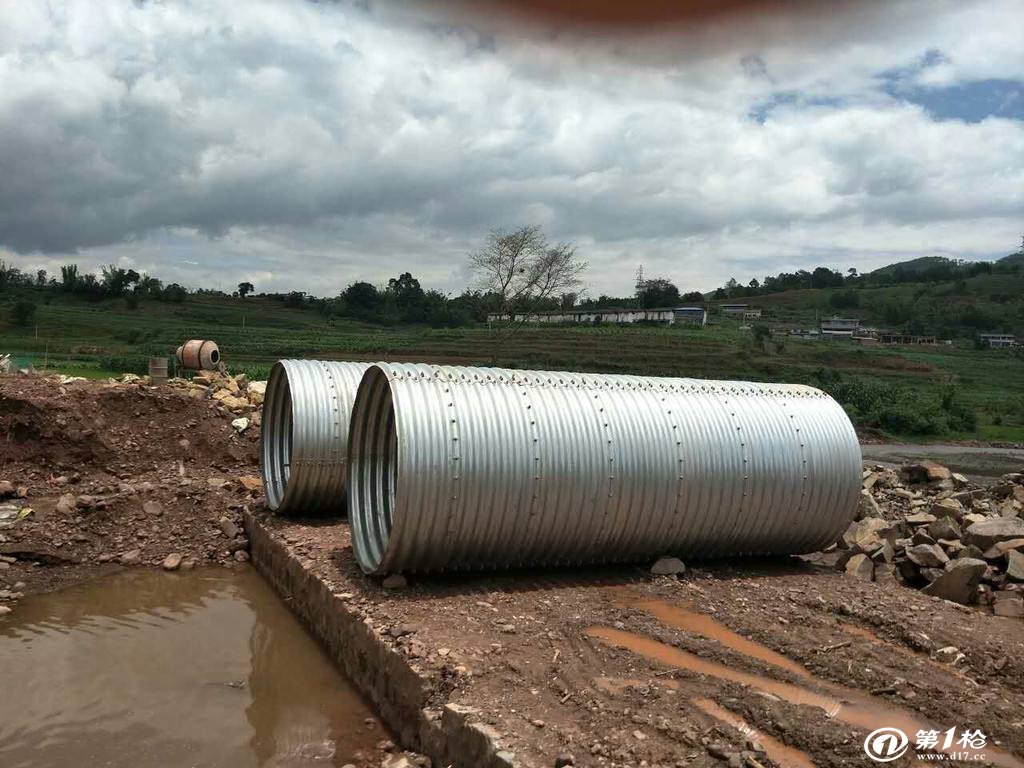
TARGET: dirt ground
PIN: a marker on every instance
(117, 475)
(972, 460)
(753, 663)
(759, 662)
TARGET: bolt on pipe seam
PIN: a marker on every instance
(304, 434)
(468, 468)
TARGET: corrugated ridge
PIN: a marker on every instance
(304, 437)
(502, 468)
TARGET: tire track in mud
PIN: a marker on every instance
(853, 707)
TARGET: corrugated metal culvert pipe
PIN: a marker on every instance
(456, 468)
(304, 438)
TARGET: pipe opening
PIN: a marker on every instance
(276, 437)
(215, 356)
(372, 470)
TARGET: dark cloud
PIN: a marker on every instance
(359, 141)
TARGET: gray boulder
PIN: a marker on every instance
(927, 555)
(960, 581)
(987, 533)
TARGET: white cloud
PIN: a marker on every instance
(304, 146)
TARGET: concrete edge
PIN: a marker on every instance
(454, 738)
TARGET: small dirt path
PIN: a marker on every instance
(974, 461)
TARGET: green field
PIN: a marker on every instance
(100, 339)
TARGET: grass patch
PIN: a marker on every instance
(949, 391)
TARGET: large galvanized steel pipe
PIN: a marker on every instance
(457, 468)
(304, 437)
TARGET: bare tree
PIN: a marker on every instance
(522, 272)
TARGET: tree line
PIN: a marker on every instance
(937, 270)
(112, 282)
(402, 300)
(515, 271)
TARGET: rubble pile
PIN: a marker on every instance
(235, 395)
(925, 527)
(97, 475)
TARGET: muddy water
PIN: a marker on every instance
(153, 669)
(688, 620)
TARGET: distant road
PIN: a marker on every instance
(970, 460)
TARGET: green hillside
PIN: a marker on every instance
(951, 309)
(937, 392)
(931, 296)
(109, 324)
(914, 267)
(1013, 260)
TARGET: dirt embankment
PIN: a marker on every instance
(97, 476)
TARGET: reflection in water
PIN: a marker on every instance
(152, 669)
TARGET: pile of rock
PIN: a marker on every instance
(235, 395)
(925, 527)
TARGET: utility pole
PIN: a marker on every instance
(640, 285)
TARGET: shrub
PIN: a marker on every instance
(847, 299)
(898, 410)
(23, 313)
(125, 364)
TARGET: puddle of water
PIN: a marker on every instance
(689, 620)
(702, 624)
(781, 754)
(206, 668)
(855, 708)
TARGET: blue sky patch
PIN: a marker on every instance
(971, 102)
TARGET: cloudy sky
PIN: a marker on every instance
(303, 146)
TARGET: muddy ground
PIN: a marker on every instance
(615, 667)
(754, 663)
(118, 475)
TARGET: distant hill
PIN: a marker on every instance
(1013, 258)
(914, 267)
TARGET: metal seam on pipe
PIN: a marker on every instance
(304, 437)
(457, 468)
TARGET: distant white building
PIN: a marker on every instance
(998, 340)
(840, 326)
(667, 315)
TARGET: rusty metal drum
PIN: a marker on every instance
(198, 355)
